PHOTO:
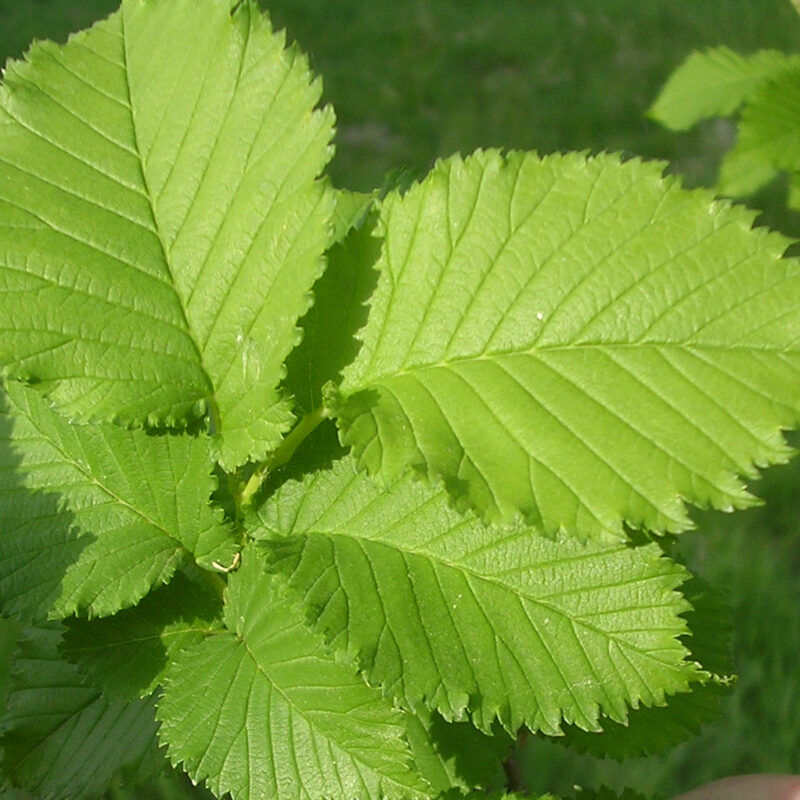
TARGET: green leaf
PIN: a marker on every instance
(659, 728)
(161, 219)
(793, 200)
(437, 607)
(769, 130)
(651, 730)
(128, 653)
(350, 212)
(10, 631)
(61, 737)
(100, 514)
(263, 711)
(604, 793)
(715, 83)
(768, 138)
(496, 796)
(742, 173)
(575, 339)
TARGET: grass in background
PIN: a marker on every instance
(413, 80)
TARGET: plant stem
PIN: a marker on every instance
(514, 780)
(215, 581)
(215, 422)
(287, 449)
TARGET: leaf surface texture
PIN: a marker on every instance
(162, 222)
(61, 737)
(94, 516)
(127, 654)
(440, 609)
(262, 711)
(577, 340)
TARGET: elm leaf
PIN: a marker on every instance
(576, 340)
(769, 130)
(656, 729)
(261, 710)
(61, 737)
(127, 654)
(439, 609)
(715, 83)
(455, 754)
(95, 516)
(162, 221)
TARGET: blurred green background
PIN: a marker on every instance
(413, 80)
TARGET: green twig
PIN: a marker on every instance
(213, 581)
(215, 421)
(287, 449)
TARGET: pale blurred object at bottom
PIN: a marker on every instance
(748, 787)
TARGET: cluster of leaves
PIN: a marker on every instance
(763, 89)
(315, 494)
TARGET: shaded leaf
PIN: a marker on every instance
(604, 793)
(127, 654)
(742, 173)
(339, 310)
(455, 754)
(769, 130)
(61, 737)
(350, 212)
(94, 516)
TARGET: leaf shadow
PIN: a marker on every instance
(339, 311)
(125, 654)
(476, 757)
(39, 540)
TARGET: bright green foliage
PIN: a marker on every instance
(544, 327)
(766, 87)
(656, 729)
(61, 737)
(768, 138)
(532, 356)
(715, 83)
(291, 721)
(99, 515)
(436, 607)
(165, 227)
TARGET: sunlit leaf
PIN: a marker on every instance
(161, 219)
(577, 340)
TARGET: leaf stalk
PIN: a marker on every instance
(283, 454)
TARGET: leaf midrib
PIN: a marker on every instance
(157, 232)
(471, 573)
(311, 722)
(531, 352)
